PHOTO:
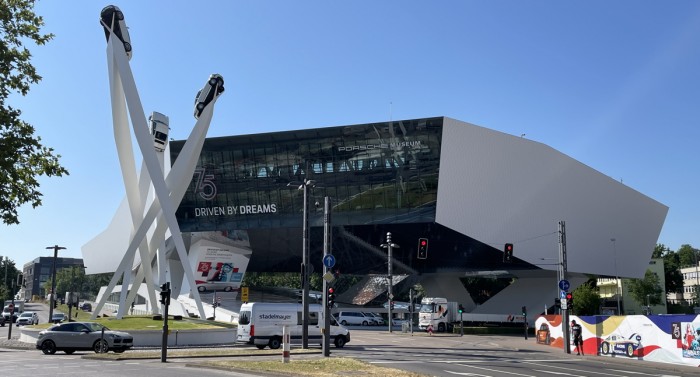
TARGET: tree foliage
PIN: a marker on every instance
(23, 158)
(73, 279)
(8, 274)
(688, 256)
(586, 299)
(672, 273)
(649, 286)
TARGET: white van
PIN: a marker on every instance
(355, 318)
(261, 324)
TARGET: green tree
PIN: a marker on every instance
(673, 276)
(8, 274)
(22, 156)
(688, 256)
(647, 289)
(586, 299)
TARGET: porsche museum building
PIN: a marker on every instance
(467, 189)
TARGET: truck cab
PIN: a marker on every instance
(436, 312)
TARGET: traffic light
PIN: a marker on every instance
(461, 309)
(55, 304)
(524, 310)
(165, 294)
(569, 300)
(391, 305)
(422, 248)
(557, 303)
(508, 253)
(330, 299)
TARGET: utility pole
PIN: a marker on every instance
(390, 246)
(328, 263)
(52, 302)
(562, 269)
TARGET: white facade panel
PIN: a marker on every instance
(498, 188)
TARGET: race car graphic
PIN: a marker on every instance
(618, 344)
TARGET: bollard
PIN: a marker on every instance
(285, 344)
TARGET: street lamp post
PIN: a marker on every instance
(305, 263)
(55, 248)
(617, 278)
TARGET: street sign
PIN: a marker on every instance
(11, 307)
(564, 303)
(328, 277)
(564, 285)
(562, 294)
(244, 294)
(329, 260)
(218, 299)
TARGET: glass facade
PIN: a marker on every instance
(381, 177)
(375, 173)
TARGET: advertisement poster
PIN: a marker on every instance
(221, 260)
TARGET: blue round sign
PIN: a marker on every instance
(329, 260)
(564, 285)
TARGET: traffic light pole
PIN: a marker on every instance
(390, 246)
(165, 300)
(562, 270)
(327, 303)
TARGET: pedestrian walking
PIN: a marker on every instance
(430, 329)
(577, 332)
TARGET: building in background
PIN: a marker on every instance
(38, 272)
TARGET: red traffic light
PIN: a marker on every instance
(509, 247)
(331, 290)
(569, 295)
(423, 242)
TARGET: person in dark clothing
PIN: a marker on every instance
(577, 332)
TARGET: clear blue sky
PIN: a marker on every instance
(613, 84)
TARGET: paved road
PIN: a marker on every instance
(493, 356)
(437, 355)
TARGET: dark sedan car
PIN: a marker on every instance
(212, 89)
(112, 17)
(72, 336)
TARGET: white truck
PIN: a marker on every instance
(438, 313)
(18, 308)
(262, 324)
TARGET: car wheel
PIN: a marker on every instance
(339, 341)
(274, 343)
(69, 352)
(261, 346)
(605, 348)
(100, 346)
(441, 327)
(364, 323)
(202, 289)
(344, 322)
(48, 347)
(630, 350)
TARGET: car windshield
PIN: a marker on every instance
(25, 315)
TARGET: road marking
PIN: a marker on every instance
(557, 373)
(630, 372)
(498, 371)
(467, 374)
